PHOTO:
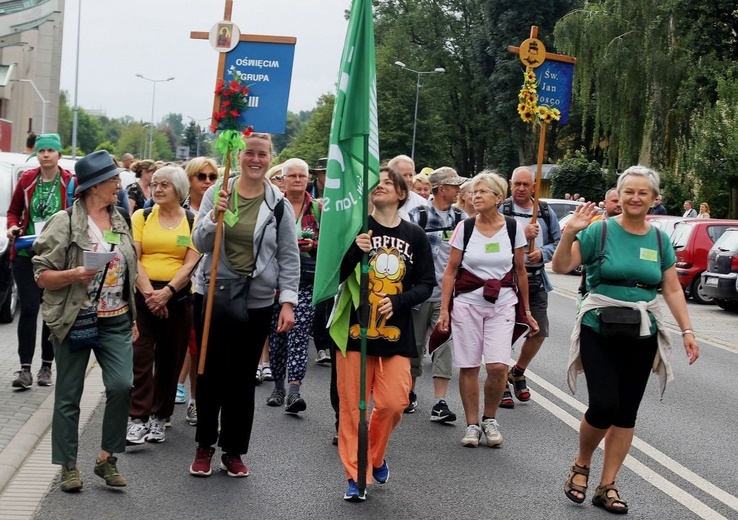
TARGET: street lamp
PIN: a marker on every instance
(199, 133)
(43, 103)
(153, 104)
(437, 70)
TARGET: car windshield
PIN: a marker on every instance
(680, 236)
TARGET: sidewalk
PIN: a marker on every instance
(26, 471)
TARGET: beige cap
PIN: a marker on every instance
(445, 175)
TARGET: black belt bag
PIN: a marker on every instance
(620, 321)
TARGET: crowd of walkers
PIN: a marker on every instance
(142, 274)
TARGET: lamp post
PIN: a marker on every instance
(199, 133)
(153, 104)
(437, 70)
(43, 103)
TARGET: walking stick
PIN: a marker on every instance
(363, 446)
(213, 273)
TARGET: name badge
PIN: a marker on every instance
(492, 247)
(650, 255)
(446, 235)
(111, 237)
(230, 218)
(183, 240)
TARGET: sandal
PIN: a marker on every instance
(507, 400)
(612, 504)
(570, 486)
(522, 392)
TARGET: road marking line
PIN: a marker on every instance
(649, 475)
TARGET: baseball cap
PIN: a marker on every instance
(445, 175)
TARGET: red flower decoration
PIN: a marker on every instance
(249, 130)
(233, 101)
(219, 86)
(226, 103)
(234, 85)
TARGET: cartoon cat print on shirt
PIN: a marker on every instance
(386, 271)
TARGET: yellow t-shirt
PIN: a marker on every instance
(162, 250)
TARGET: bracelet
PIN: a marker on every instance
(169, 286)
(687, 331)
(528, 312)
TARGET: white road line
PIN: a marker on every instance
(683, 497)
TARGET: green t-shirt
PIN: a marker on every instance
(239, 239)
(45, 201)
(627, 257)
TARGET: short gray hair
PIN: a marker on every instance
(492, 180)
(642, 171)
(295, 162)
(177, 176)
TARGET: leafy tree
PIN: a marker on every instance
(174, 121)
(134, 139)
(312, 141)
(577, 174)
(294, 124)
(106, 145)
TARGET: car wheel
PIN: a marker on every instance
(728, 305)
(698, 291)
(8, 307)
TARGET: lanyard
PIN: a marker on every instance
(44, 205)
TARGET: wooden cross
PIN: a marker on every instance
(203, 35)
(531, 61)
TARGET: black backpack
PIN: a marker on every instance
(543, 209)
(423, 219)
(510, 223)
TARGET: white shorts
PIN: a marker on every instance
(480, 330)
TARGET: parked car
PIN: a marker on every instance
(720, 280)
(692, 239)
(8, 295)
(561, 206)
(665, 222)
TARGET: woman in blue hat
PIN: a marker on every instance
(89, 307)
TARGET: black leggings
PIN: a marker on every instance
(617, 372)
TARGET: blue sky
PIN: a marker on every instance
(121, 39)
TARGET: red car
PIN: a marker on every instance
(692, 239)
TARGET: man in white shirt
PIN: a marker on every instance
(405, 166)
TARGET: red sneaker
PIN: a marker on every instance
(201, 466)
(233, 465)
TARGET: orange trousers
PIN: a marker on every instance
(388, 383)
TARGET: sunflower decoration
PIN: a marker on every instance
(528, 108)
(234, 100)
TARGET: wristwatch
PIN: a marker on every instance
(687, 331)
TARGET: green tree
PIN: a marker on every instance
(106, 145)
(294, 124)
(174, 121)
(134, 139)
(312, 141)
(577, 174)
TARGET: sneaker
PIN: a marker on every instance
(24, 380)
(323, 357)
(277, 398)
(137, 432)
(70, 479)
(353, 494)
(181, 396)
(191, 415)
(381, 474)
(233, 465)
(258, 375)
(295, 404)
(441, 413)
(157, 430)
(491, 430)
(168, 422)
(413, 403)
(266, 373)
(472, 436)
(520, 385)
(108, 470)
(201, 466)
(43, 378)
(507, 400)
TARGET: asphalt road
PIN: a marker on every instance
(682, 465)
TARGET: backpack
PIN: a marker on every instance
(190, 216)
(543, 209)
(423, 220)
(583, 291)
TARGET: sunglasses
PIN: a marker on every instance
(278, 178)
(212, 177)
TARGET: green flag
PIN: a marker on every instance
(353, 146)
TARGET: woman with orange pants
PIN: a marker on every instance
(401, 276)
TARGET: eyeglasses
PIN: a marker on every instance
(163, 185)
(482, 192)
(202, 176)
(116, 180)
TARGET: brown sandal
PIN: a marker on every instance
(570, 486)
(520, 386)
(612, 504)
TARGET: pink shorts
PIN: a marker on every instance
(479, 330)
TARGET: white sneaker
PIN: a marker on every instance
(137, 432)
(323, 357)
(491, 430)
(157, 432)
(472, 436)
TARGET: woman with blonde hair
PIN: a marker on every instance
(704, 210)
(421, 185)
(464, 201)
